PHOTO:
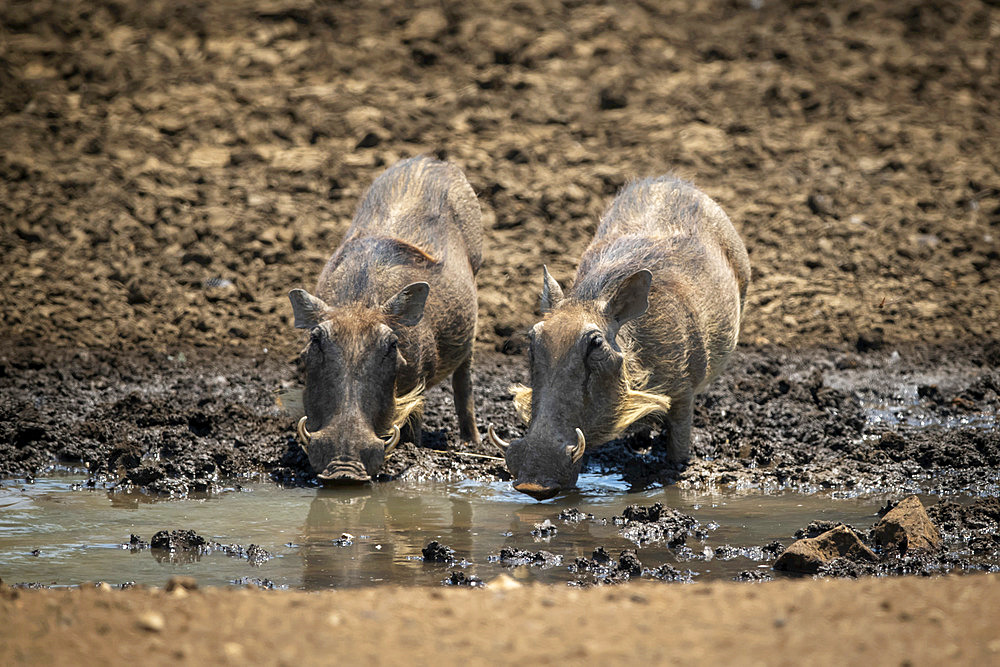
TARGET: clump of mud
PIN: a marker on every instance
(512, 557)
(574, 515)
(435, 552)
(670, 574)
(185, 546)
(645, 525)
(459, 578)
(604, 570)
(753, 576)
(768, 552)
(255, 582)
(544, 530)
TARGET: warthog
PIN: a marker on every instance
(394, 313)
(651, 319)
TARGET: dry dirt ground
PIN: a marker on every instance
(872, 622)
(170, 169)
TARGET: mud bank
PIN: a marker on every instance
(900, 421)
(823, 622)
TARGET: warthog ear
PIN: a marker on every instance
(552, 294)
(407, 307)
(632, 298)
(307, 308)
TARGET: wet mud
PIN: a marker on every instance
(853, 423)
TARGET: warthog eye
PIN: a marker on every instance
(596, 341)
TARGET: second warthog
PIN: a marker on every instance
(394, 312)
(651, 319)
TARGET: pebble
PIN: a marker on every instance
(503, 582)
(152, 621)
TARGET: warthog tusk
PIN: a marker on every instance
(576, 451)
(497, 441)
(304, 435)
(393, 441)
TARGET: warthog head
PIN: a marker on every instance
(351, 365)
(585, 388)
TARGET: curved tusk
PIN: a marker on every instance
(393, 441)
(576, 452)
(304, 435)
(497, 441)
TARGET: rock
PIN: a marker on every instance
(907, 528)
(188, 583)
(807, 555)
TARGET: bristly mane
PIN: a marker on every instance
(410, 404)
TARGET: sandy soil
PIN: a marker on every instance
(169, 170)
(781, 623)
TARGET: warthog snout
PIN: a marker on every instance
(346, 462)
(536, 491)
(344, 472)
(543, 466)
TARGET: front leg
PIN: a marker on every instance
(413, 430)
(461, 384)
(678, 429)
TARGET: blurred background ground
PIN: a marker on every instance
(170, 169)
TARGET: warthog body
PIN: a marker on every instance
(394, 312)
(651, 319)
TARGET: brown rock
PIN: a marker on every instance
(907, 527)
(807, 555)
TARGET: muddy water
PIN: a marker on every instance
(54, 531)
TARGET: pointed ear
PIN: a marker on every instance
(632, 298)
(308, 309)
(552, 294)
(407, 306)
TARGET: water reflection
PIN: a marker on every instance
(77, 533)
(358, 536)
(387, 530)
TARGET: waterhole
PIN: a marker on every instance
(55, 531)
